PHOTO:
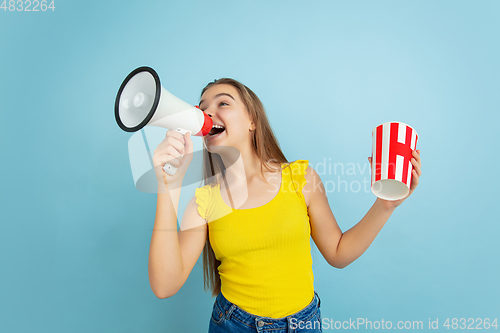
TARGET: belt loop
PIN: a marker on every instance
(289, 328)
(319, 299)
(230, 311)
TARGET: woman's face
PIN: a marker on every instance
(223, 103)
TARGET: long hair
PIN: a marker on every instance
(267, 148)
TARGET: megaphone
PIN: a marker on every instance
(141, 101)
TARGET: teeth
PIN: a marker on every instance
(217, 126)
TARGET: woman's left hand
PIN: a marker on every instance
(417, 172)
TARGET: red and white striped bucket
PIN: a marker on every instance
(393, 143)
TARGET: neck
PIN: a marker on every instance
(242, 165)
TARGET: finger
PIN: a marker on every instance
(161, 160)
(414, 180)
(169, 145)
(416, 155)
(165, 149)
(189, 144)
(416, 166)
(164, 159)
(171, 150)
(176, 135)
(164, 146)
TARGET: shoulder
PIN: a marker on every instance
(300, 165)
(207, 187)
(313, 185)
(202, 197)
(204, 192)
(297, 166)
(309, 179)
(312, 177)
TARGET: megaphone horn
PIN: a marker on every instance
(141, 101)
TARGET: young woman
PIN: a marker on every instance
(253, 220)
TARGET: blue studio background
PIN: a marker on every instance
(75, 232)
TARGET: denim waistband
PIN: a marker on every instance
(267, 323)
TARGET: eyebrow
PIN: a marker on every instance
(218, 95)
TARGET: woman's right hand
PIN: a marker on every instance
(169, 151)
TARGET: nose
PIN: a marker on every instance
(197, 106)
(206, 111)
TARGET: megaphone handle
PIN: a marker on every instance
(169, 168)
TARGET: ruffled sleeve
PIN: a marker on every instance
(202, 199)
(298, 170)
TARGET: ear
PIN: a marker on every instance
(252, 126)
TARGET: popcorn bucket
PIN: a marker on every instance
(393, 143)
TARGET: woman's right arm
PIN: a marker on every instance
(172, 254)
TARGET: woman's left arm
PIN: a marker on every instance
(340, 249)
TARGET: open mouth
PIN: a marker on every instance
(216, 130)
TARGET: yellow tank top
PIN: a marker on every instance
(265, 252)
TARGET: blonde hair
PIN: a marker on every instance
(267, 148)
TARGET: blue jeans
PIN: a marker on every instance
(228, 317)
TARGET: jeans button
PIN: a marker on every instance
(260, 323)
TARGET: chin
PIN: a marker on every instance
(225, 150)
(211, 147)
(214, 149)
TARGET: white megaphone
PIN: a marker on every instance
(141, 101)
